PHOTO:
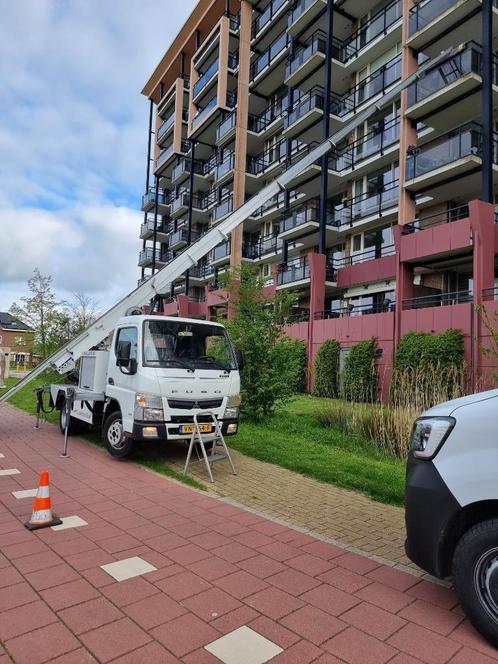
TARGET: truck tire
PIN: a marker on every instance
(118, 445)
(475, 577)
(74, 424)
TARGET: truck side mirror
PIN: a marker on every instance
(239, 356)
(123, 353)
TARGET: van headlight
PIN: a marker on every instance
(232, 407)
(148, 408)
(428, 434)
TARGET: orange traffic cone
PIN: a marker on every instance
(42, 516)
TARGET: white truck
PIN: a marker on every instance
(156, 375)
(451, 502)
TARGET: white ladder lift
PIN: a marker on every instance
(216, 438)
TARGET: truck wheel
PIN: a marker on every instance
(118, 445)
(475, 576)
(74, 424)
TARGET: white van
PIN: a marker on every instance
(451, 502)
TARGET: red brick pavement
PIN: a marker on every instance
(218, 568)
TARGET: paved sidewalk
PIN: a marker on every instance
(338, 514)
(219, 572)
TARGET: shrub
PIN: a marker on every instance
(300, 349)
(421, 348)
(327, 370)
(360, 379)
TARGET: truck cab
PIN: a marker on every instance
(451, 502)
(157, 373)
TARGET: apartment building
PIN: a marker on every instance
(395, 229)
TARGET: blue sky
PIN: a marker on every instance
(73, 139)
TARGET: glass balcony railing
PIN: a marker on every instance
(166, 257)
(227, 165)
(221, 251)
(206, 77)
(226, 125)
(298, 10)
(235, 22)
(298, 216)
(179, 237)
(266, 16)
(370, 254)
(377, 140)
(164, 155)
(424, 13)
(464, 141)
(377, 25)
(317, 43)
(373, 85)
(464, 62)
(264, 60)
(277, 154)
(180, 201)
(275, 111)
(165, 127)
(204, 112)
(365, 205)
(269, 244)
(303, 105)
(222, 209)
(149, 198)
(295, 270)
(148, 255)
(447, 217)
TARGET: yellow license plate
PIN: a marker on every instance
(189, 428)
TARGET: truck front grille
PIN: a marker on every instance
(190, 404)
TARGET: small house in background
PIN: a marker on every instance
(16, 340)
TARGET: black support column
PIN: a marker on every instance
(190, 205)
(487, 101)
(154, 240)
(322, 242)
(147, 171)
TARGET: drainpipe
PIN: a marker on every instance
(190, 206)
(487, 102)
(326, 128)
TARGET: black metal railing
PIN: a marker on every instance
(149, 198)
(370, 254)
(316, 43)
(464, 141)
(268, 244)
(165, 126)
(351, 310)
(275, 111)
(295, 270)
(438, 300)
(263, 61)
(227, 124)
(374, 142)
(305, 103)
(202, 113)
(266, 16)
(221, 251)
(365, 205)
(223, 208)
(179, 236)
(489, 294)
(376, 25)
(451, 214)
(298, 10)
(424, 13)
(307, 213)
(147, 255)
(225, 166)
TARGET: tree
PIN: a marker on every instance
(40, 311)
(54, 322)
(271, 362)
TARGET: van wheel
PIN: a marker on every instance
(475, 576)
(118, 444)
(74, 424)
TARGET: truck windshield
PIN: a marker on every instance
(189, 345)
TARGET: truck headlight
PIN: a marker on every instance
(148, 408)
(429, 433)
(232, 407)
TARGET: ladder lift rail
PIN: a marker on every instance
(64, 359)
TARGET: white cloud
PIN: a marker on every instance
(73, 138)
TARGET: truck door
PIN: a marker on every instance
(122, 385)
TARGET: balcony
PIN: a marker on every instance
(450, 156)
(268, 15)
(225, 168)
(295, 272)
(353, 309)
(372, 37)
(439, 300)
(179, 205)
(182, 169)
(367, 207)
(303, 13)
(304, 112)
(456, 79)
(371, 87)
(206, 78)
(250, 250)
(221, 253)
(306, 59)
(202, 113)
(379, 142)
(164, 156)
(226, 128)
(263, 62)
(258, 164)
(178, 239)
(146, 257)
(165, 127)
(222, 209)
(149, 199)
(258, 124)
(147, 230)
(166, 257)
(447, 217)
(269, 244)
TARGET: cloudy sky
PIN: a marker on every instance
(73, 137)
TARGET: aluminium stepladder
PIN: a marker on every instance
(216, 438)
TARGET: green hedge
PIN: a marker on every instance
(417, 349)
(360, 380)
(327, 370)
